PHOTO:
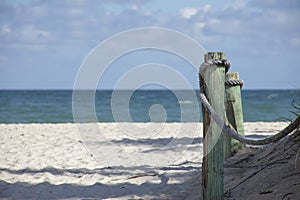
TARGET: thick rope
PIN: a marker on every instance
(222, 62)
(234, 83)
(292, 126)
(232, 133)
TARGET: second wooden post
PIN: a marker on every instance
(234, 113)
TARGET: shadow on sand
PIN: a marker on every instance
(124, 190)
(129, 184)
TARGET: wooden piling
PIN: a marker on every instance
(213, 81)
(234, 114)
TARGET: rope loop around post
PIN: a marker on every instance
(234, 82)
(222, 62)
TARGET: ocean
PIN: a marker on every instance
(55, 106)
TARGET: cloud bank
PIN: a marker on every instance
(53, 37)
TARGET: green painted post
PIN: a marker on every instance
(234, 113)
(213, 80)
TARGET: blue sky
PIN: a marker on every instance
(43, 43)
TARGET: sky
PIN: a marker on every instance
(44, 43)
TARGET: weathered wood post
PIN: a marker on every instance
(212, 78)
(234, 112)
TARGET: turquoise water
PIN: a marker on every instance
(43, 106)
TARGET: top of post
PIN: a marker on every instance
(214, 56)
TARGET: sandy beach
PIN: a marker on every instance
(105, 160)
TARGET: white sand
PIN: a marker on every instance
(105, 160)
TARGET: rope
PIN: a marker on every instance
(232, 133)
(235, 82)
(222, 62)
(292, 126)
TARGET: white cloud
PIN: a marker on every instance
(134, 7)
(35, 35)
(206, 8)
(200, 25)
(187, 13)
(5, 28)
(237, 5)
(140, 9)
(80, 22)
